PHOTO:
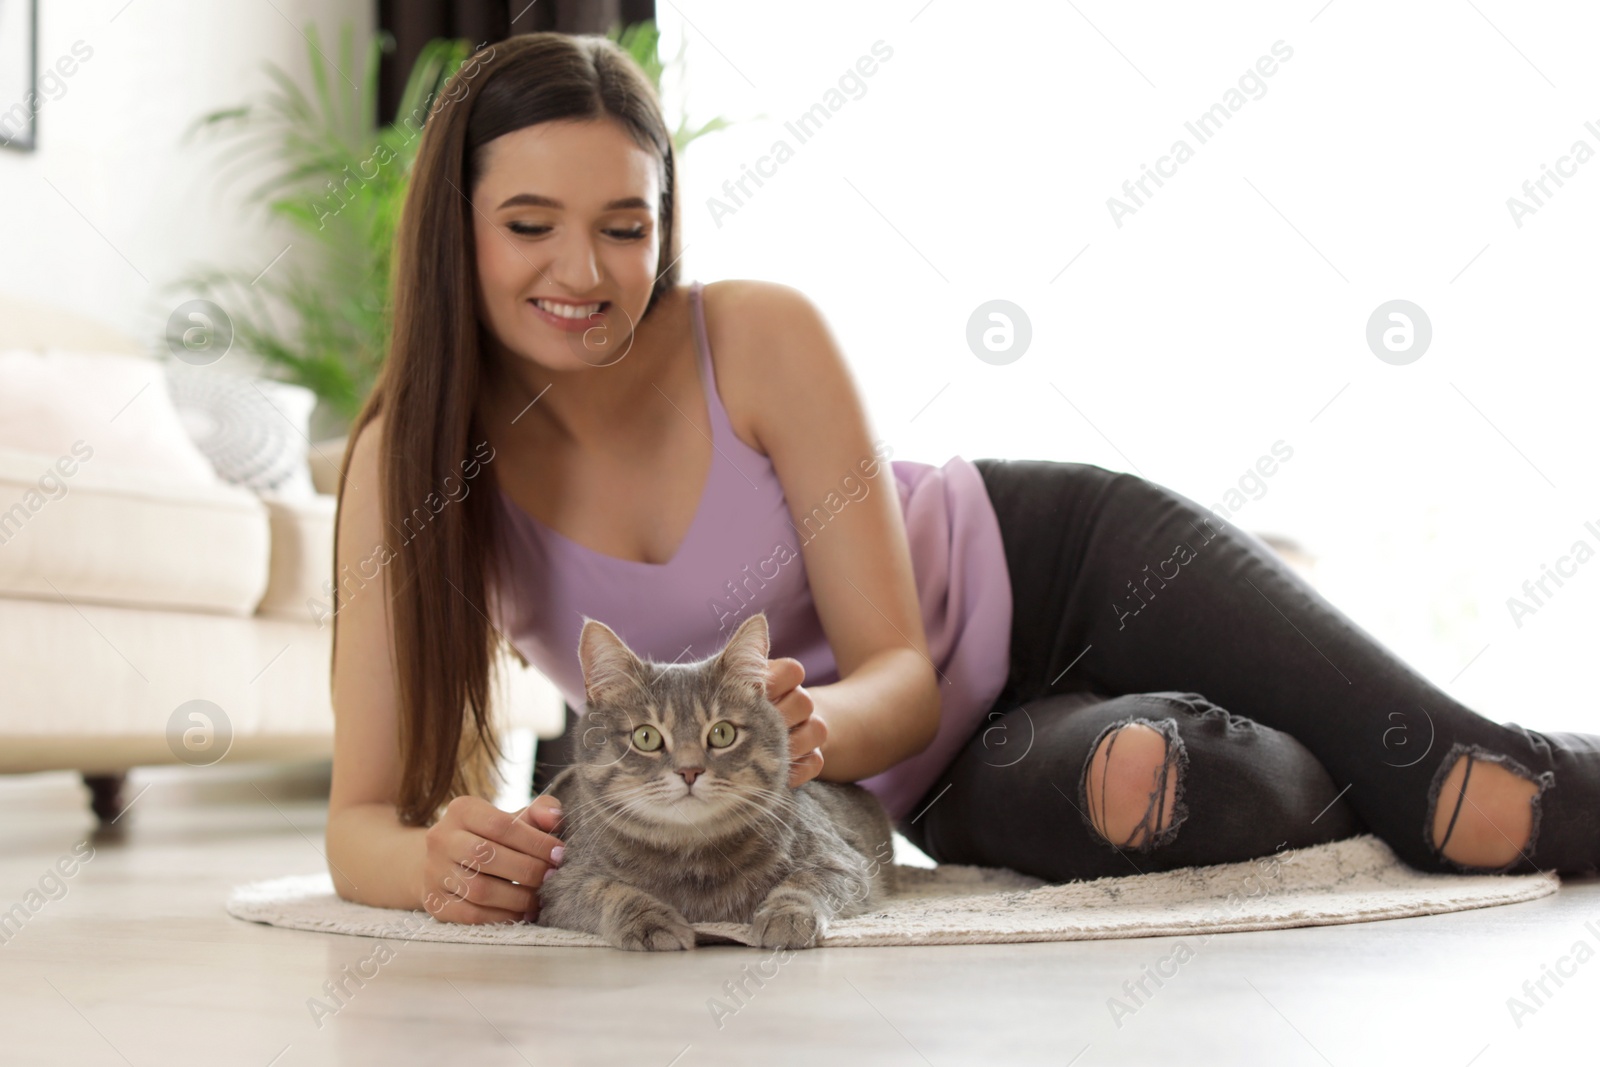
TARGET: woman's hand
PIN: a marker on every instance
(485, 865)
(807, 731)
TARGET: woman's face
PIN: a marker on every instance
(565, 218)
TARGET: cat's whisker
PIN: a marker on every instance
(607, 807)
(606, 801)
(758, 811)
(621, 802)
(751, 820)
(783, 819)
(783, 801)
(784, 795)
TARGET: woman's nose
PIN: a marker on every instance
(575, 266)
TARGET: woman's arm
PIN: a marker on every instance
(372, 857)
(874, 716)
(781, 370)
(476, 863)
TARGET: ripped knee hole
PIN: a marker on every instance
(1132, 785)
(1484, 809)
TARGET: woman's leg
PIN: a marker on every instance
(1123, 586)
(1078, 785)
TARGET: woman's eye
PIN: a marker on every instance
(647, 738)
(722, 735)
(527, 229)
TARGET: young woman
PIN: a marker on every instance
(1047, 666)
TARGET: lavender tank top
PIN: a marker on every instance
(742, 555)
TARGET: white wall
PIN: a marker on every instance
(111, 209)
(1230, 310)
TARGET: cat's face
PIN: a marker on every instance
(680, 750)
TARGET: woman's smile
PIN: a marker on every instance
(569, 317)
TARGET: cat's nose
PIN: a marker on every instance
(690, 774)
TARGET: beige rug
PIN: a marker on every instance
(1355, 880)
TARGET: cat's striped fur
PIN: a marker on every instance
(652, 845)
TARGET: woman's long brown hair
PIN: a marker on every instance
(443, 558)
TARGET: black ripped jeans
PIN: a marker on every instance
(1286, 724)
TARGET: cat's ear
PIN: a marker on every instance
(743, 660)
(609, 665)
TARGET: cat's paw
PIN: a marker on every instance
(790, 924)
(653, 928)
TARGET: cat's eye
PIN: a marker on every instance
(646, 738)
(722, 734)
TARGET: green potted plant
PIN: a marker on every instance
(341, 206)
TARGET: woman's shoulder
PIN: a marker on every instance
(749, 306)
(761, 327)
(364, 453)
(771, 348)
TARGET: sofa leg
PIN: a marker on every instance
(105, 794)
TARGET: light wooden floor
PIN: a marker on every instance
(138, 964)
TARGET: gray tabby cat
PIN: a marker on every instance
(678, 808)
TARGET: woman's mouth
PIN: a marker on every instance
(571, 317)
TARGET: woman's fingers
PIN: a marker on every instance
(489, 891)
(805, 743)
(544, 813)
(486, 865)
(807, 730)
(805, 768)
(783, 676)
(807, 735)
(482, 874)
(475, 854)
(796, 706)
(449, 909)
(509, 830)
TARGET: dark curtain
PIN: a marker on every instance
(415, 22)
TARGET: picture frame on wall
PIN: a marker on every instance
(19, 74)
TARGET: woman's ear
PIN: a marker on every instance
(743, 660)
(609, 665)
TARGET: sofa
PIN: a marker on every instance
(151, 610)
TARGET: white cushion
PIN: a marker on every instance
(302, 558)
(124, 536)
(254, 431)
(108, 410)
